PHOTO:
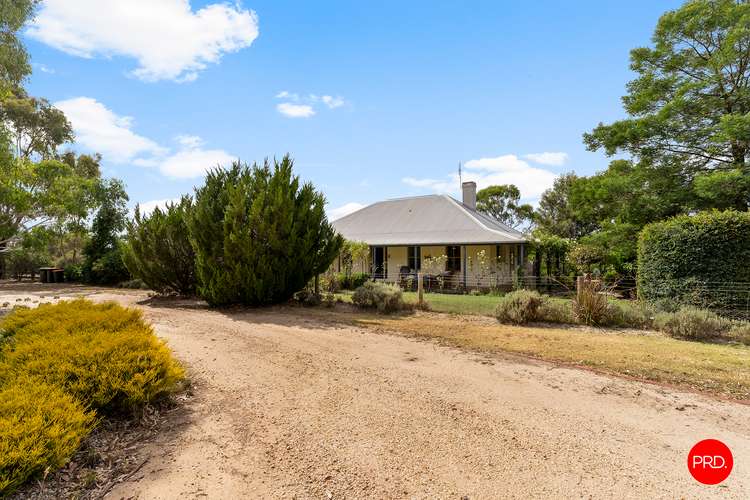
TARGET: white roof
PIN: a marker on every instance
(424, 220)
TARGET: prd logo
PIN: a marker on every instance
(710, 461)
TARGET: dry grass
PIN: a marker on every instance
(720, 369)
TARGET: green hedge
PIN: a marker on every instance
(695, 259)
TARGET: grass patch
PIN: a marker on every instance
(720, 369)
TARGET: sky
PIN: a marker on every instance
(372, 101)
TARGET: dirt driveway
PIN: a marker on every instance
(289, 406)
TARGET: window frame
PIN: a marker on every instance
(414, 256)
(453, 262)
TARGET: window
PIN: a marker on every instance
(414, 258)
(454, 258)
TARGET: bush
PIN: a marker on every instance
(555, 311)
(258, 235)
(383, 296)
(630, 315)
(740, 332)
(519, 307)
(73, 273)
(158, 250)
(102, 354)
(692, 259)
(134, 284)
(40, 428)
(590, 305)
(356, 280)
(692, 323)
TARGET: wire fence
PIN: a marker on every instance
(730, 299)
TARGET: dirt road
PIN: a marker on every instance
(290, 406)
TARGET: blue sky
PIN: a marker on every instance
(373, 102)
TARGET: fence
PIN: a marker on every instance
(725, 298)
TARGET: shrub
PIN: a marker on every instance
(555, 311)
(692, 323)
(40, 428)
(73, 273)
(590, 305)
(740, 332)
(102, 354)
(258, 235)
(631, 315)
(383, 296)
(693, 258)
(135, 284)
(518, 307)
(356, 280)
(158, 250)
(307, 297)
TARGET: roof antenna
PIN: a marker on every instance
(460, 177)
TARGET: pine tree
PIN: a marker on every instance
(158, 250)
(258, 235)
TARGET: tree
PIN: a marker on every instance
(158, 250)
(35, 126)
(103, 253)
(556, 215)
(14, 60)
(36, 194)
(502, 202)
(689, 106)
(259, 236)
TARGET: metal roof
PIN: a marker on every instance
(424, 220)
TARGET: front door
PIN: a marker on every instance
(378, 262)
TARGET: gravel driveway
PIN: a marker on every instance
(286, 405)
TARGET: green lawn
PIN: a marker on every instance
(483, 305)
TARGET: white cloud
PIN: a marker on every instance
(346, 209)
(285, 94)
(552, 159)
(148, 206)
(333, 102)
(194, 162)
(99, 129)
(295, 110)
(189, 141)
(168, 39)
(505, 169)
(43, 68)
(304, 106)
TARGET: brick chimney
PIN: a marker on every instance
(470, 194)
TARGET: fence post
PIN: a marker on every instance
(420, 288)
(579, 286)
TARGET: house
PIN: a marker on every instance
(404, 233)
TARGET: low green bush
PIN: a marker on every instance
(40, 428)
(356, 280)
(630, 314)
(519, 307)
(73, 273)
(556, 311)
(692, 323)
(104, 355)
(383, 296)
(740, 332)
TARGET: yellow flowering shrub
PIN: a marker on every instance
(62, 364)
(40, 428)
(104, 355)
